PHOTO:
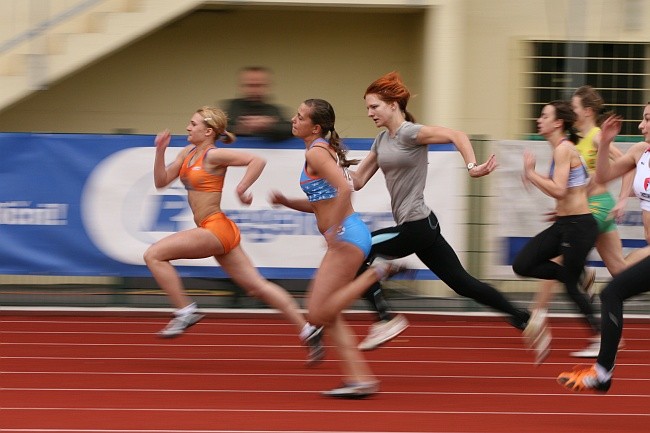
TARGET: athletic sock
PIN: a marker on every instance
(602, 374)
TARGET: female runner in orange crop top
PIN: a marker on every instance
(201, 167)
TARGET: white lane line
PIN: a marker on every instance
(335, 411)
(300, 391)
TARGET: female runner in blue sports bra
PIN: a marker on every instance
(334, 286)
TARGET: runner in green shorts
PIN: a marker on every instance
(601, 206)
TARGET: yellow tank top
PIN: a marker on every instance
(587, 149)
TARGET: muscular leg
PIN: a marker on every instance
(239, 267)
(637, 255)
(242, 271)
(610, 248)
(189, 244)
(334, 286)
(355, 368)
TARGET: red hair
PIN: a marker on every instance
(390, 88)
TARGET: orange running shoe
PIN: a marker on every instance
(583, 379)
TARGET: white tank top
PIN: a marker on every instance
(642, 180)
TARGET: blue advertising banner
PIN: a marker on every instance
(85, 205)
(41, 226)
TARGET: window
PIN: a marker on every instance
(619, 71)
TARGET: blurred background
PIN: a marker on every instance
(122, 67)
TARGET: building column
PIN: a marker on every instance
(443, 69)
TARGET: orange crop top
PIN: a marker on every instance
(195, 178)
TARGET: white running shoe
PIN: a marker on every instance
(179, 324)
(354, 390)
(384, 331)
(592, 350)
(386, 269)
(537, 336)
(542, 346)
(536, 324)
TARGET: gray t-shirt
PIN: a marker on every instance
(404, 164)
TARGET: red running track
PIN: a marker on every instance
(86, 373)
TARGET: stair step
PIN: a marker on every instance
(67, 47)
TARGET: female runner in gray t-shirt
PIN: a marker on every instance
(400, 151)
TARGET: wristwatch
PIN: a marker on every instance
(471, 165)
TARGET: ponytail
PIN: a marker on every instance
(341, 151)
(573, 135)
(227, 137)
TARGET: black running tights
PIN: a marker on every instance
(631, 282)
(571, 237)
(424, 239)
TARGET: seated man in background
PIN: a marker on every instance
(251, 115)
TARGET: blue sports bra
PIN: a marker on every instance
(578, 175)
(316, 188)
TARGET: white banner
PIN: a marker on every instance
(123, 213)
(520, 211)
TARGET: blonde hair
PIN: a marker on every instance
(216, 119)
